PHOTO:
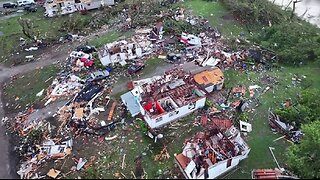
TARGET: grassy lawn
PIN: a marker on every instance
(153, 66)
(261, 138)
(48, 28)
(109, 37)
(217, 14)
(22, 91)
(130, 139)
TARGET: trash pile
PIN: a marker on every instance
(42, 140)
(64, 86)
(81, 58)
(272, 174)
(38, 154)
(37, 145)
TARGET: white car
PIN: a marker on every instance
(98, 75)
(77, 54)
(25, 2)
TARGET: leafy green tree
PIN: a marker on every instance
(305, 110)
(76, 23)
(294, 42)
(303, 158)
(255, 11)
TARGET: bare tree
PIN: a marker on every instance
(28, 28)
(288, 5)
(305, 12)
(294, 7)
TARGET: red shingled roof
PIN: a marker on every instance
(265, 174)
(221, 123)
(183, 161)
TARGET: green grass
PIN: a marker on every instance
(48, 28)
(151, 65)
(109, 37)
(217, 14)
(25, 88)
(149, 71)
(261, 138)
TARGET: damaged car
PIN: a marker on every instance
(135, 68)
(9, 5)
(99, 75)
(86, 49)
(88, 92)
(86, 59)
(174, 58)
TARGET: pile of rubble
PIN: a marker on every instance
(288, 130)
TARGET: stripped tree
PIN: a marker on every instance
(294, 7)
(28, 28)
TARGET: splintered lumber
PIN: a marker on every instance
(114, 104)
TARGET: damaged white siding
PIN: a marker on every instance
(214, 87)
(53, 8)
(177, 113)
(223, 166)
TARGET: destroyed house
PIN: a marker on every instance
(163, 99)
(170, 98)
(132, 103)
(62, 7)
(210, 154)
(122, 51)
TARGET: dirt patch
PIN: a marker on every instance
(13, 156)
(19, 57)
(228, 17)
(268, 80)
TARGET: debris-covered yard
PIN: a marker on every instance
(22, 90)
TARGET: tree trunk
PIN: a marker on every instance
(294, 7)
(288, 5)
(27, 28)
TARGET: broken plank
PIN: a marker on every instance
(278, 138)
(114, 104)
